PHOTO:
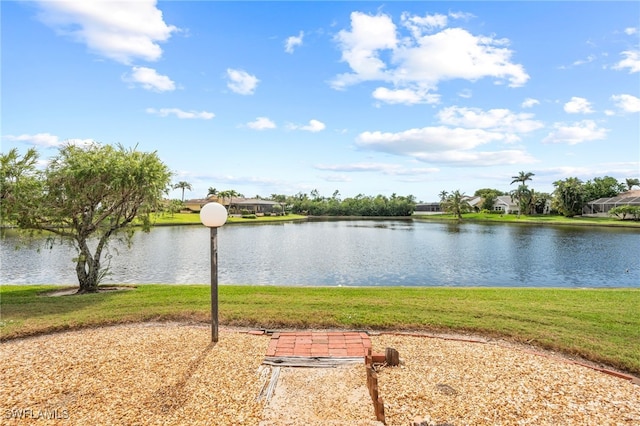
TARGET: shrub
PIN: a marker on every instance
(249, 216)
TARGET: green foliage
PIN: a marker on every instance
(19, 183)
(489, 197)
(359, 205)
(598, 324)
(249, 216)
(456, 204)
(603, 187)
(631, 182)
(569, 196)
(623, 211)
(92, 193)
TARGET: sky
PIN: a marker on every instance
(411, 98)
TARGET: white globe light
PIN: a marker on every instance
(213, 215)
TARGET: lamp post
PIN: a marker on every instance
(214, 215)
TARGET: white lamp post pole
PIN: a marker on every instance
(214, 215)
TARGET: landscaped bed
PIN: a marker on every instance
(170, 373)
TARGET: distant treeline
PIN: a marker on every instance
(359, 205)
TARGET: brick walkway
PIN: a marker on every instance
(319, 344)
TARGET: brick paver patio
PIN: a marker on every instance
(319, 344)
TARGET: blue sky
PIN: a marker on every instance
(360, 97)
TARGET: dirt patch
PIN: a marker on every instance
(72, 291)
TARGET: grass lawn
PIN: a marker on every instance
(602, 325)
(537, 219)
(194, 219)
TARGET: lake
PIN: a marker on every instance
(353, 253)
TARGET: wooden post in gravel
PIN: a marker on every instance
(372, 385)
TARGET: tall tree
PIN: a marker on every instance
(183, 185)
(568, 197)
(631, 182)
(87, 195)
(602, 187)
(489, 197)
(456, 203)
(522, 177)
(212, 192)
(18, 177)
(443, 195)
(523, 195)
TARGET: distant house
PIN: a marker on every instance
(504, 203)
(235, 205)
(601, 206)
(253, 205)
(427, 208)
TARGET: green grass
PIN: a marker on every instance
(602, 325)
(536, 219)
(194, 219)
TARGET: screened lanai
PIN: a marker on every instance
(603, 205)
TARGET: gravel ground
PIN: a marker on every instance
(170, 374)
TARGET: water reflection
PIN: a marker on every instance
(366, 253)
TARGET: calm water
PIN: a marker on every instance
(355, 253)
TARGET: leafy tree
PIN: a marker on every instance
(456, 203)
(18, 177)
(541, 202)
(87, 195)
(280, 198)
(523, 195)
(212, 192)
(568, 197)
(631, 182)
(489, 197)
(443, 195)
(603, 187)
(623, 211)
(183, 185)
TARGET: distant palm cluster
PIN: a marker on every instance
(571, 197)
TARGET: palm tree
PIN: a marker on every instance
(631, 182)
(183, 185)
(443, 195)
(212, 192)
(522, 177)
(456, 203)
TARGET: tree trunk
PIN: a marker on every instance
(88, 268)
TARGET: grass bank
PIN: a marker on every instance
(194, 219)
(542, 219)
(601, 325)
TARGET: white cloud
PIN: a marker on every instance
(384, 168)
(375, 51)
(241, 82)
(361, 46)
(418, 25)
(165, 112)
(292, 42)
(47, 140)
(631, 61)
(478, 159)
(627, 103)
(405, 96)
(575, 133)
(630, 31)
(149, 79)
(261, 123)
(313, 126)
(588, 59)
(530, 102)
(427, 139)
(578, 106)
(118, 30)
(494, 119)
